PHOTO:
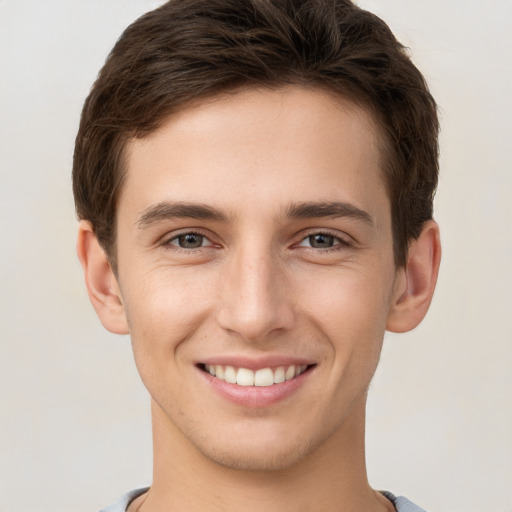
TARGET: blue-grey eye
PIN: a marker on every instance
(189, 241)
(321, 241)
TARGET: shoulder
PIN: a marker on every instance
(401, 503)
(122, 503)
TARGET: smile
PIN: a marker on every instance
(262, 377)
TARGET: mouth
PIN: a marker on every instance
(261, 377)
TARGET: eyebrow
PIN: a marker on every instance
(166, 210)
(330, 209)
(170, 210)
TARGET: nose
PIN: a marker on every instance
(256, 301)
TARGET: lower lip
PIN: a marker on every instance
(256, 396)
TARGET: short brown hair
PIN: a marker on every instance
(189, 49)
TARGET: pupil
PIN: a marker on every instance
(191, 241)
(321, 241)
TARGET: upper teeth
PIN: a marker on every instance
(261, 377)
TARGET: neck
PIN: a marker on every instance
(331, 478)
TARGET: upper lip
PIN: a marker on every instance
(255, 363)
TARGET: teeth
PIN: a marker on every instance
(230, 375)
(219, 371)
(245, 377)
(279, 375)
(262, 377)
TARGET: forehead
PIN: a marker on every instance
(281, 145)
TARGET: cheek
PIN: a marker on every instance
(163, 310)
(351, 311)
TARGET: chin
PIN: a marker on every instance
(263, 456)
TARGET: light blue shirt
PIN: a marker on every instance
(401, 504)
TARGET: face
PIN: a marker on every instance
(256, 271)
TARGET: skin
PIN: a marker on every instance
(265, 280)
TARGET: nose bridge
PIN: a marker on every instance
(253, 304)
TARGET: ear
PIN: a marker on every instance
(102, 287)
(415, 283)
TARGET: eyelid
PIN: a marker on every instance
(342, 238)
(166, 240)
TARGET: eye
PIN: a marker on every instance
(322, 241)
(189, 241)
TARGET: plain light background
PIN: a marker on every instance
(74, 419)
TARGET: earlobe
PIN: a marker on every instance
(100, 281)
(416, 282)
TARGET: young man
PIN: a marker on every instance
(254, 181)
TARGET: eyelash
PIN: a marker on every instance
(167, 242)
(340, 243)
